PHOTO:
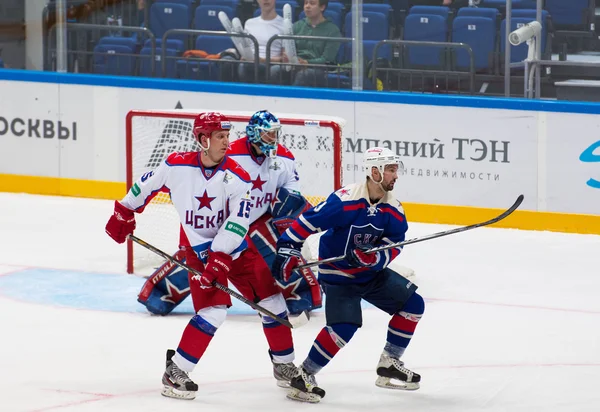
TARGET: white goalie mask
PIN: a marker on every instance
(380, 157)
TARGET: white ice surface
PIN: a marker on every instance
(512, 323)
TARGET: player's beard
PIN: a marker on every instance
(388, 187)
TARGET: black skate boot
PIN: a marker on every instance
(283, 372)
(304, 388)
(390, 368)
(177, 383)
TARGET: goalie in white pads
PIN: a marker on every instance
(356, 218)
(211, 193)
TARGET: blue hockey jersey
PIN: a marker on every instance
(350, 222)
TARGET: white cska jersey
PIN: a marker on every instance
(213, 204)
(267, 175)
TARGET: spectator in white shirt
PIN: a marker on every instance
(263, 27)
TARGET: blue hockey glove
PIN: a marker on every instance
(288, 257)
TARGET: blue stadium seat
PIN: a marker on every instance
(335, 6)
(419, 27)
(375, 25)
(384, 51)
(491, 13)
(570, 14)
(334, 16)
(498, 4)
(480, 34)
(146, 63)
(431, 11)
(130, 42)
(175, 44)
(230, 3)
(525, 4)
(114, 59)
(206, 17)
(188, 3)
(167, 16)
(378, 7)
(204, 70)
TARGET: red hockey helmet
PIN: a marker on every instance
(206, 123)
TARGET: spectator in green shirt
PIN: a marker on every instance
(312, 51)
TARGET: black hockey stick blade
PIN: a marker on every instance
(219, 286)
(498, 218)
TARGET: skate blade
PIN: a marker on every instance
(299, 396)
(170, 392)
(387, 383)
(283, 384)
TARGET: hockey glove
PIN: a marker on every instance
(218, 266)
(121, 224)
(288, 256)
(358, 258)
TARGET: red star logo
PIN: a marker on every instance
(343, 192)
(289, 291)
(258, 183)
(174, 295)
(205, 200)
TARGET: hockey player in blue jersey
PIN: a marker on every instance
(356, 218)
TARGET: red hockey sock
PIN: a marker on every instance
(280, 341)
(194, 341)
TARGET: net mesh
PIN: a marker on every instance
(154, 135)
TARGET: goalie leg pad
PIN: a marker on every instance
(166, 288)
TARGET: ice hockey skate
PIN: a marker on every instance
(390, 368)
(177, 383)
(304, 388)
(283, 372)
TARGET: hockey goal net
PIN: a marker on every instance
(316, 143)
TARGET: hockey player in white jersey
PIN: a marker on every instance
(276, 201)
(356, 218)
(211, 193)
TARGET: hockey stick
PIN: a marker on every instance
(424, 238)
(215, 284)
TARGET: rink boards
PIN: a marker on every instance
(465, 158)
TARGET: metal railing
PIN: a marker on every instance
(50, 52)
(325, 67)
(190, 32)
(443, 69)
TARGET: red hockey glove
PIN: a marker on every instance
(218, 266)
(358, 258)
(121, 223)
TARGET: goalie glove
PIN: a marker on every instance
(288, 257)
(359, 258)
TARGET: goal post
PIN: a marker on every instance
(151, 135)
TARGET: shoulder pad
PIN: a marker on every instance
(233, 167)
(283, 152)
(344, 192)
(238, 147)
(183, 159)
